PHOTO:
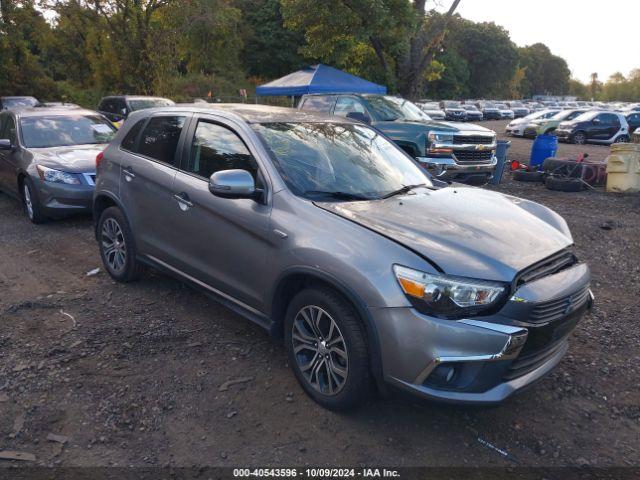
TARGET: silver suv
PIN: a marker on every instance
(330, 236)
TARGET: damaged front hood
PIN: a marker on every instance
(467, 232)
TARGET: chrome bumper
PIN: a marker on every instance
(444, 168)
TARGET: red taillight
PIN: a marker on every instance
(99, 158)
(515, 165)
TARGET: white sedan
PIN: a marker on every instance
(516, 127)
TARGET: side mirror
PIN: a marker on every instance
(232, 184)
(123, 112)
(595, 120)
(361, 117)
(5, 144)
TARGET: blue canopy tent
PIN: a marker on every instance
(318, 79)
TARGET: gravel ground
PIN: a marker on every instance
(137, 374)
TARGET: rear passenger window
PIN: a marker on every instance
(347, 105)
(216, 148)
(160, 138)
(129, 142)
(318, 104)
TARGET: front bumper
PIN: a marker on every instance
(517, 131)
(563, 135)
(491, 357)
(59, 200)
(449, 169)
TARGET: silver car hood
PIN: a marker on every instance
(468, 232)
(74, 159)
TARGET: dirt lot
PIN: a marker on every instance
(135, 374)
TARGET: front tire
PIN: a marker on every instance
(579, 138)
(327, 350)
(117, 246)
(31, 203)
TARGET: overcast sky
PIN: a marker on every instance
(591, 35)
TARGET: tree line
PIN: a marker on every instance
(79, 50)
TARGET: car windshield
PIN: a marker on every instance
(451, 104)
(339, 161)
(142, 103)
(65, 130)
(388, 109)
(517, 104)
(501, 106)
(431, 106)
(470, 108)
(585, 117)
(19, 102)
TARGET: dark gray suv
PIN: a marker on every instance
(330, 236)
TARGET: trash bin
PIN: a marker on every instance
(501, 155)
(623, 168)
(544, 146)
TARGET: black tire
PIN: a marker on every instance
(564, 168)
(564, 184)
(524, 176)
(31, 203)
(579, 138)
(356, 388)
(122, 270)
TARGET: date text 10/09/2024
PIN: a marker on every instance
(316, 472)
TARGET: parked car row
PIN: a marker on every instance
(319, 225)
(578, 126)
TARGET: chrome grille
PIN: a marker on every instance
(473, 156)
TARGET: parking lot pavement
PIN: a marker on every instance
(135, 374)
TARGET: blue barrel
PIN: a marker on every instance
(501, 156)
(544, 146)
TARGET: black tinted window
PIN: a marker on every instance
(608, 119)
(129, 142)
(319, 104)
(9, 130)
(216, 148)
(107, 105)
(160, 138)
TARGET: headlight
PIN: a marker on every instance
(56, 176)
(448, 297)
(440, 137)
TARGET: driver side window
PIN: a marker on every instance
(346, 105)
(215, 148)
(8, 130)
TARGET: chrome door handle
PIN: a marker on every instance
(128, 172)
(184, 201)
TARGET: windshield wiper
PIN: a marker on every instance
(337, 195)
(404, 189)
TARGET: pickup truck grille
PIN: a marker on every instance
(472, 139)
(473, 156)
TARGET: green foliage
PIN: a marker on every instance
(545, 73)
(188, 48)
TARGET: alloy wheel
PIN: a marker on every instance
(113, 245)
(579, 138)
(320, 350)
(27, 200)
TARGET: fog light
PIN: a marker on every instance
(443, 374)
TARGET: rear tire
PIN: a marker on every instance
(524, 176)
(330, 362)
(31, 203)
(564, 184)
(117, 246)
